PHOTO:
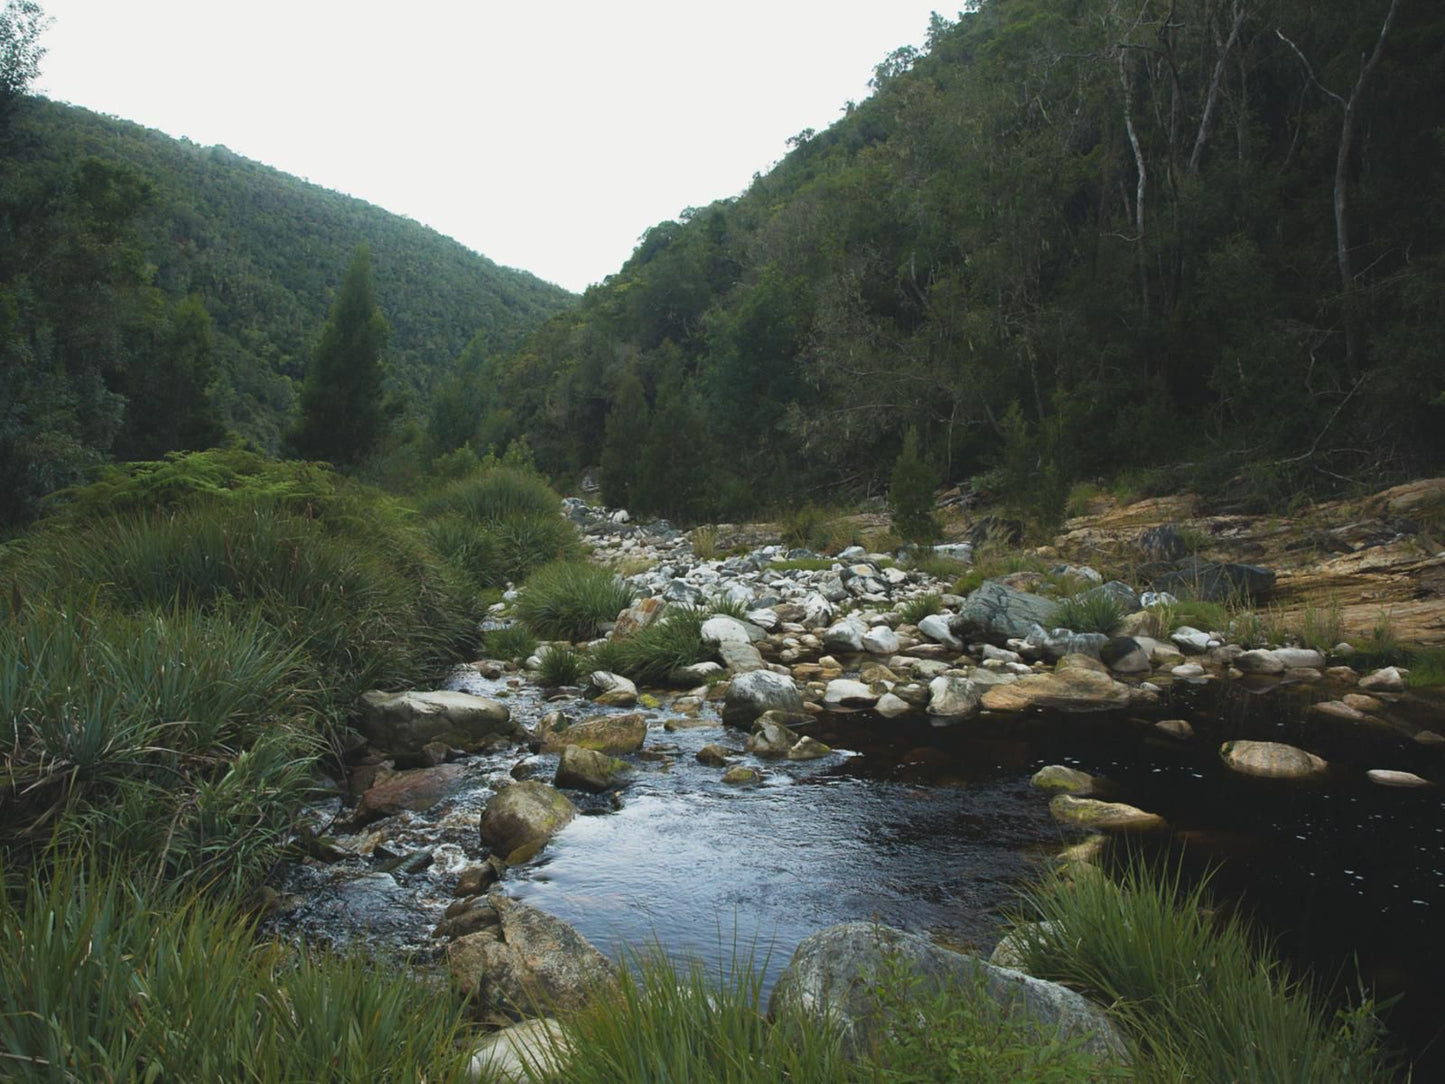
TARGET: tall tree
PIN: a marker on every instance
(21, 24)
(341, 402)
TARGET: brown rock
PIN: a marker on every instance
(612, 734)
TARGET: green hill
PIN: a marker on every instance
(106, 227)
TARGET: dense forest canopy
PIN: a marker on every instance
(1070, 238)
(156, 294)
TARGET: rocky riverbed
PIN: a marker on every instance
(847, 756)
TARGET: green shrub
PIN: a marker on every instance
(514, 641)
(911, 493)
(570, 600)
(523, 544)
(1201, 998)
(101, 979)
(929, 563)
(815, 528)
(651, 654)
(704, 542)
(1089, 612)
(467, 546)
(562, 664)
(916, 609)
(1427, 668)
(495, 494)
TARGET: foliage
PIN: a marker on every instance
(1088, 612)
(1202, 999)
(704, 542)
(812, 527)
(910, 493)
(562, 664)
(651, 654)
(937, 566)
(104, 978)
(499, 523)
(493, 494)
(514, 641)
(916, 609)
(571, 600)
(1427, 668)
(341, 408)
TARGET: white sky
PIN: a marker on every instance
(547, 136)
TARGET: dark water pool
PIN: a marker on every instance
(932, 829)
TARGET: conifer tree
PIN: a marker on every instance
(341, 402)
(910, 493)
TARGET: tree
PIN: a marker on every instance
(341, 402)
(627, 429)
(21, 24)
(910, 493)
(169, 390)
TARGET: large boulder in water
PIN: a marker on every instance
(418, 789)
(524, 815)
(1271, 760)
(835, 973)
(750, 695)
(587, 769)
(996, 613)
(402, 724)
(1071, 689)
(610, 734)
(528, 961)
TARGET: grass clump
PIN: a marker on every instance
(1427, 668)
(932, 564)
(650, 655)
(562, 664)
(103, 978)
(572, 600)
(916, 609)
(814, 528)
(704, 542)
(1199, 995)
(1092, 611)
(514, 641)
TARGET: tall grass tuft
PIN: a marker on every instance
(571, 600)
(513, 641)
(1090, 612)
(495, 494)
(650, 655)
(103, 978)
(1200, 996)
(562, 664)
(916, 609)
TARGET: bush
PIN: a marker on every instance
(650, 655)
(1089, 612)
(916, 609)
(911, 493)
(817, 529)
(570, 600)
(509, 642)
(101, 979)
(495, 494)
(1203, 1001)
(562, 664)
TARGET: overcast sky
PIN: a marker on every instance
(546, 136)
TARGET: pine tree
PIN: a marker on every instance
(341, 402)
(910, 493)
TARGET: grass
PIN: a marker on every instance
(1199, 994)
(562, 664)
(821, 530)
(571, 600)
(931, 564)
(992, 561)
(514, 641)
(916, 609)
(1427, 668)
(1089, 612)
(704, 543)
(104, 978)
(650, 655)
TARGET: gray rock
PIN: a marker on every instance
(1061, 779)
(1124, 655)
(953, 697)
(890, 706)
(740, 658)
(1190, 640)
(834, 975)
(405, 723)
(518, 1054)
(713, 755)
(1387, 680)
(1259, 661)
(996, 613)
(808, 748)
(846, 635)
(881, 640)
(589, 770)
(604, 733)
(1217, 582)
(847, 693)
(771, 736)
(612, 689)
(937, 628)
(750, 695)
(719, 630)
(1271, 760)
(524, 815)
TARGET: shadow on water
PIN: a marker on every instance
(934, 828)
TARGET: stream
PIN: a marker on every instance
(933, 829)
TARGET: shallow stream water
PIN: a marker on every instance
(933, 829)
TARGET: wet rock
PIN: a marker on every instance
(846, 693)
(890, 706)
(529, 959)
(1387, 680)
(587, 769)
(1178, 729)
(516, 1054)
(613, 734)
(466, 916)
(1060, 779)
(996, 613)
(771, 737)
(1073, 689)
(612, 690)
(1386, 777)
(750, 695)
(404, 723)
(808, 748)
(714, 756)
(476, 879)
(1271, 760)
(418, 789)
(953, 697)
(834, 975)
(741, 776)
(1336, 709)
(524, 815)
(1102, 816)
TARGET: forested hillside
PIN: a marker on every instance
(1198, 242)
(156, 294)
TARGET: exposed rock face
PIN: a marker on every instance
(751, 694)
(418, 789)
(404, 723)
(525, 814)
(587, 769)
(602, 733)
(834, 975)
(530, 961)
(996, 612)
(1271, 760)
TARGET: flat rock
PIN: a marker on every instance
(1386, 777)
(847, 693)
(1271, 760)
(1071, 689)
(405, 723)
(611, 734)
(418, 789)
(1102, 816)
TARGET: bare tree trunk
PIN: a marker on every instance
(1216, 83)
(1143, 187)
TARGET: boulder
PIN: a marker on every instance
(520, 1053)
(1125, 655)
(936, 627)
(720, 629)
(1060, 779)
(713, 755)
(881, 640)
(613, 690)
(589, 770)
(639, 616)
(1259, 661)
(750, 695)
(739, 658)
(771, 736)
(890, 706)
(418, 789)
(528, 961)
(741, 776)
(1165, 543)
(524, 815)
(1071, 689)
(808, 748)
(1102, 816)
(847, 693)
(1191, 641)
(845, 635)
(1271, 760)
(1210, 582)
(834, 976)
(954, 697)
(612, 734)
(1387, 680)
(402, 724)
(997, 613)
(1387, 777)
